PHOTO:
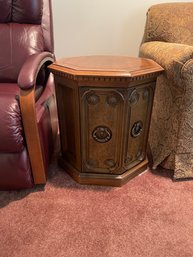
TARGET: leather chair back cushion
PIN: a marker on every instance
(21, 11)
(11, 132)
(18, 41)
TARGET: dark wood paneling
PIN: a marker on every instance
(68, 114)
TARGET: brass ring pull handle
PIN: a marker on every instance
(102, 134)
(137, 128)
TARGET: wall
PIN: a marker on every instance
(94, 27)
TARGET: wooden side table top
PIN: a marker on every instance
(110, 66)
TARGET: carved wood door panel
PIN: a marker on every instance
(137, 119)
(101, 129)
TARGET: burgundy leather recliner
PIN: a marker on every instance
(28, 122)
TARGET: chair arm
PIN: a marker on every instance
(29, 71)
(170, 56)
(27, 81)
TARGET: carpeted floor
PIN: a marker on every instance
(150, 216)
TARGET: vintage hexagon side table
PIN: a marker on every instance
(104, 108)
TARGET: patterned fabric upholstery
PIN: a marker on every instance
(170, 22)
(168, 40)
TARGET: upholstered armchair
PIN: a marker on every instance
(28, 121)
(168, 40)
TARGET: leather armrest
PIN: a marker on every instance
(29, 71)
(170, 56)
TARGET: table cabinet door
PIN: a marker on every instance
(138, 114)
(102, 117)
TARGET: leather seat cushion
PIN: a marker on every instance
(11, 129)
(11, 133)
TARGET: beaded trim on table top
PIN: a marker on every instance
(106, 78)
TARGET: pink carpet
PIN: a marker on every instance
(150, 216)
